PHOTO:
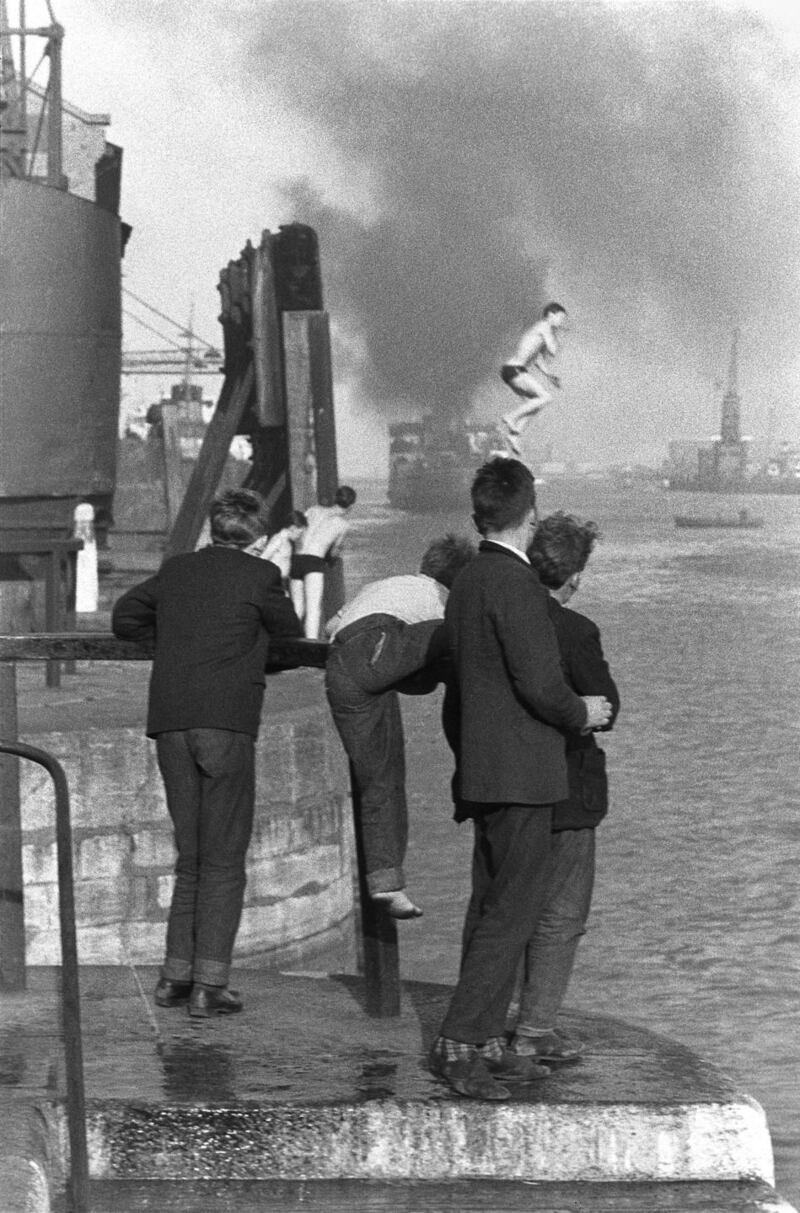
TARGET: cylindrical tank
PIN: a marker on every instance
(60, 353)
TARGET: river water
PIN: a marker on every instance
(694, 930)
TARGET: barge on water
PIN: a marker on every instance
(432, 462)
(744, 520)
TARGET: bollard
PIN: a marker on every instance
(87, 591)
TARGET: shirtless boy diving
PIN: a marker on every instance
(528, 374)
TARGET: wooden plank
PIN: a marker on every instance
(222, 429)
(269, 404)
(267, 474)
(379, 952)
(319, 355)
(313, 469)
(299, 409)
(284, 652)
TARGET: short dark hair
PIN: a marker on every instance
(502, 494)
(237, 517)
(554, 307)
(445, 557)
(296, 518)
(560, 547)
(345, 496)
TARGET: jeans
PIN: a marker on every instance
(374, 654)
(209, 779)
(510, 869)
(550, 953)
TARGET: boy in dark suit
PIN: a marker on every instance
(559, 551)
(211, 613)
(512, 701)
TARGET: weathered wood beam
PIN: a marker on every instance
(284, 652)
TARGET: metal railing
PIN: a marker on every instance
(70, 985)
(379, 953)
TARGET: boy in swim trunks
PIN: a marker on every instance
(527, 371)
(320, 542)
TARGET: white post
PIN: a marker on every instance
(87, 591)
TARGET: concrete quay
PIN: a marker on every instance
(305, 1100)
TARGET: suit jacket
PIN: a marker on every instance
(211, 613)
(587, 672)
(512, 695)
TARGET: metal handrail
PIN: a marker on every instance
(70, 988)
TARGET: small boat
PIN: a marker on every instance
(743, 520)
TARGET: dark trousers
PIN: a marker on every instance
(366, 661)
(209, 779)
(510, 869)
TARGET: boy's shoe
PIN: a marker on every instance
(516, 1067)
(468, 1076)
(172, 993)
(205, 1001)
(552, 1046)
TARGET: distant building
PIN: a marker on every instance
(731, 462)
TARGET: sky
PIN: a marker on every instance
(463, 163)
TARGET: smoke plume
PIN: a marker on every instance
(633, 162)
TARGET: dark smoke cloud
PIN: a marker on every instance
(638, 153)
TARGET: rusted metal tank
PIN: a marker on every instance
(60, 353)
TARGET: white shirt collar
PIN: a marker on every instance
(510, 547)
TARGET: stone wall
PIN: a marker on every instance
(300, 864)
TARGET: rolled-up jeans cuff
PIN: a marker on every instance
(521, 1029)
(177, 970)
(385, 880)
(211, 972)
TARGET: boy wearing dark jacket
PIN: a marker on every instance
(211, 613)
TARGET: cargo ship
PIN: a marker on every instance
(432, 462)
(744, 520)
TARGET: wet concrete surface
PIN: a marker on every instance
(305, 1086)
(307, 1040)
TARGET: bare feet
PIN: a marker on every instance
(398, 904)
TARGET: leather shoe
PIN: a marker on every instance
(172, 993)
(205, 1001)
(468, 1076)
(513, 1067)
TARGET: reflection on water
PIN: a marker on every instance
(694, 930)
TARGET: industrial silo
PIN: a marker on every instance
(61, 242)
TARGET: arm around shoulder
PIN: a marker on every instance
(589, 670)
(532, 657)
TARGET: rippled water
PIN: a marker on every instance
(694, 929)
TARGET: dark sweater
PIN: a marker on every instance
(211, 613)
